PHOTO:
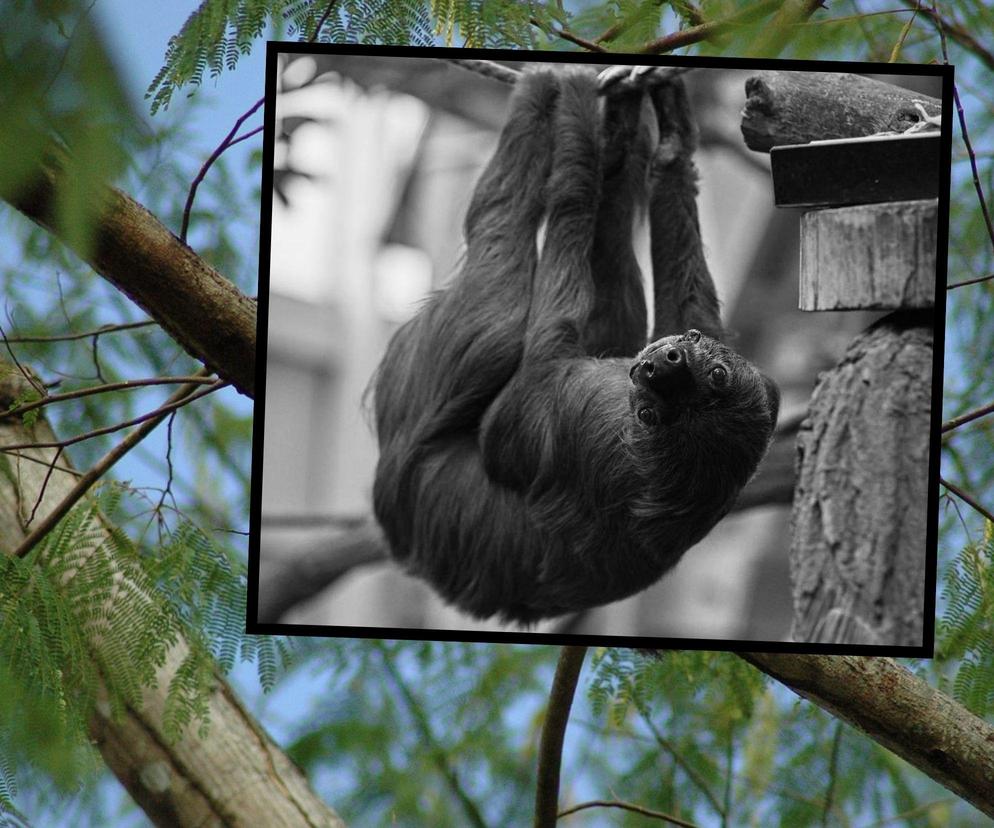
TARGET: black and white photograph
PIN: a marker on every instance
(640, 350)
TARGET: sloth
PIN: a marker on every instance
(536, 456)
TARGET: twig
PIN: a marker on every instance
(729, 778)
(229, 139)
(551, 746)
(833, 768)
(321, 22)
(102, 389)
(940, 24)
(170, 405)
(566, 34)
(957, 33)
(692, 773)
(966, 498)
(186, 394)
(628, 806)
(438, 753)
(103, 329)
(956, 422)
(705, 31)
(905, 31)
(966, 282)
(44, 484)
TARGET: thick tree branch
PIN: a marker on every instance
(900, 711)
(204, 312)
(550, 749)
(238, 776)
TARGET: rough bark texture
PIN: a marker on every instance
(797, 107)
(871, 256)
(860, 510)
(237, 776)
(204, 312)
(901, 712)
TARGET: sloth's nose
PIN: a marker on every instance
(664, 371)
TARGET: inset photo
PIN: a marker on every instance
(643, 354)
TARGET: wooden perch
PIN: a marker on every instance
(871, 256)
(797, 107)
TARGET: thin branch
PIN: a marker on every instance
(976, 281)
(48, 464)
(956, 31)
(628, 806)
(170, 405)
(103, 389)
(692, 773)
(438, 753)
(977, 413)
(229, 139)
(918, 810)
(706, 31)
(905, 31)
(966, 498)
(566, 34)
(182, 396)
(833, 769)
(553, 731)
(44, 484)
(729, 778)
(941, 26)
(247, 135)
(103, 329)
(321, 22)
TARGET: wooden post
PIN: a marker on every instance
(858, 546)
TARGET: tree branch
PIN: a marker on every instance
(182, 396)
(567, 35)
(900, 711)
(238, 776)
(956, 32)
(204, 379)
(550, 749)
(966, 498)
(204, 312)
(713, 28)
(628, 806)
(438, 753)
(962, 419)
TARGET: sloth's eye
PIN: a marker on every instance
(719, 376)
(647, 416)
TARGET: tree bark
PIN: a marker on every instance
(204, 312)
(237, 776)
(860, 511)
(797, 107)
(901, 712)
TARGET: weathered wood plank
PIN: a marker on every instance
(869, 256)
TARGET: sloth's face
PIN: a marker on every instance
(692, 379)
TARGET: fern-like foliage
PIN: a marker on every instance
(219, 32)
(87, 619)
(626, 680)
(965, 633)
